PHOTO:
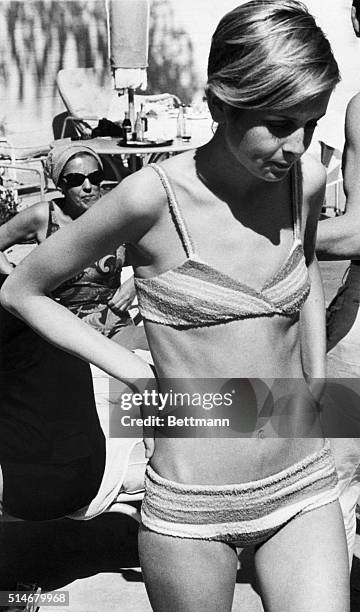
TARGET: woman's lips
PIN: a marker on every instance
(281, 166)
(87, 199)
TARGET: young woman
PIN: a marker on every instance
(228, 285)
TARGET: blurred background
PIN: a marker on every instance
(39, 37)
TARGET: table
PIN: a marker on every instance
(105, 146)
(108, 146)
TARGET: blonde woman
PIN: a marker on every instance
(229, 287)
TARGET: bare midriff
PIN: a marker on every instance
(265, 350)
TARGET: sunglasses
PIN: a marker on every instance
(75, 179)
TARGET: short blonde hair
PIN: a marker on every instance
(270, 54)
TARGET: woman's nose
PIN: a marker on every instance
(86, 185)
(295, 143)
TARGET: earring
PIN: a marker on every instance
(214, 126)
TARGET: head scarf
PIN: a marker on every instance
(59, 156)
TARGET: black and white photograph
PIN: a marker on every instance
(180, 306)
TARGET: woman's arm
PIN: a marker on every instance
(339, 237)
(312, 318)
(5, 266)
(124, 214)
(313, 335)
(25, 225)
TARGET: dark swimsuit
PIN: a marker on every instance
(52, 448)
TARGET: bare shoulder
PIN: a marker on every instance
(131, 210)
(35, 216)
(39, 209)
(353, 107)
(29, 224)
(314, 182)
(314, 176)
(141, 194)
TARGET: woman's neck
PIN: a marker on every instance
(69, 209)
(217, 167)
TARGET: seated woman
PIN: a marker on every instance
(54, 459)
(52, 449)
(93, 294)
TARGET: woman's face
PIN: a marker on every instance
(268, 143)
(85, 194)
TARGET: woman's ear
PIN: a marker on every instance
(216, 107)
(61, 187)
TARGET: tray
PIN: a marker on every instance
(146, 143)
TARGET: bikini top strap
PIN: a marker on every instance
(175, 211)
(297, 198)
(53, 225)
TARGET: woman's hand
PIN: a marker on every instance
(316, 387)
(5, 265)
(123, 297)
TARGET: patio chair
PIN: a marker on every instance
(87, 99)
(18, 162)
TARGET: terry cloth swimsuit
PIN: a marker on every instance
(195, 294)
(88, 293)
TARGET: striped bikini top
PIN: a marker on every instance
(194, 294)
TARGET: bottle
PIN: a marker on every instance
(180, 121)
(131, 106)
(138, 128)
(183, 127)
(127, 127)
(186, 132)
(144, 119)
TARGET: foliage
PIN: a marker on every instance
(9, 203)
(171, 64)
(39, 37)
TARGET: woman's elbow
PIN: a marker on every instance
(11, 296)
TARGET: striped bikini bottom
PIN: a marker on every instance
(240, 515)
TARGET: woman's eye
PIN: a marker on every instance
(280, 128)
(278, 124)
(285, 128)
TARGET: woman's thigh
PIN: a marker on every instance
(187, 575)
(304, 567)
